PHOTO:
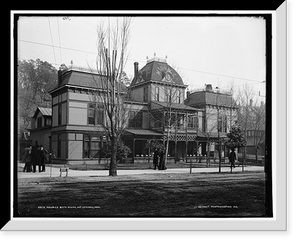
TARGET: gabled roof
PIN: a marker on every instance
(43, 111)
(157, 71)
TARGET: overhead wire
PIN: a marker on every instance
(94, 53)
(59, 39)
(51, 39)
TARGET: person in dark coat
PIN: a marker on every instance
(232, 158)
(155, 159)
(34, 157)
(162, 165)
(41, 158)
(27, 158)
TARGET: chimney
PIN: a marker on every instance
(59, 77)
(136, 68)
(188, 93)
(251, 102)
(208, 87)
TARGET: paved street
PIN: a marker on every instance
(55, 171)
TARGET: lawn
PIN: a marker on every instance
(152, 195)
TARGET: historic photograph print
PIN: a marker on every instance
(143, 116)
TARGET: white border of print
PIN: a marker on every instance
(279, 167)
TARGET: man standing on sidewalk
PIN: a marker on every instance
(34, 157)
(232, 158)
(41, 158)
(155, 159)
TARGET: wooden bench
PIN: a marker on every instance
(61, 170)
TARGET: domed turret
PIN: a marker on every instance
(156, 70)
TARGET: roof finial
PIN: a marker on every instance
(154, 54)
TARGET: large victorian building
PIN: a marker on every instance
(158, 109)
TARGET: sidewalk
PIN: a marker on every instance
(55, 172)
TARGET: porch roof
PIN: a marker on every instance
(176, 106)
(210, 135)
(142, 132)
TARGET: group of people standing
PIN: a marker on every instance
(159, 160)
(33, 156)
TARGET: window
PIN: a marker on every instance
(86, 146)
(157, 120)
(135, 119)
(95, 114)
(225, 123)
(95, 146)
(91, 146)
(180, 120)
(156, 94)
(193, 121)
(59, 114)
(169, 96)
(39, 122)
(47, 121)
(222, 123)
(91, 114)
(170, 118)
(100, 116)
(59, 146)
(179, 96)
(146, 94)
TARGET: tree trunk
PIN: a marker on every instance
(208, 155)
(244, 158)
(220, 155)
(256, 155)
(113, 158)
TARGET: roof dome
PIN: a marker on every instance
(157, 70)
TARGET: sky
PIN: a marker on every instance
(222, 51)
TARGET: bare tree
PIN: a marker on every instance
(218, 116)
(245, 98)
(257, 126)
(171, 115)
(112, 45)
(210, 126)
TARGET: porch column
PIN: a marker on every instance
(186, 135)
(176, 132)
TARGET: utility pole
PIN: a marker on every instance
(218, 127)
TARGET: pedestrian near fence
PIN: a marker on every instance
(232, 158)
(27, 158)
(41, 158)
(155, 159)
(162, 163)
(34, 157)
